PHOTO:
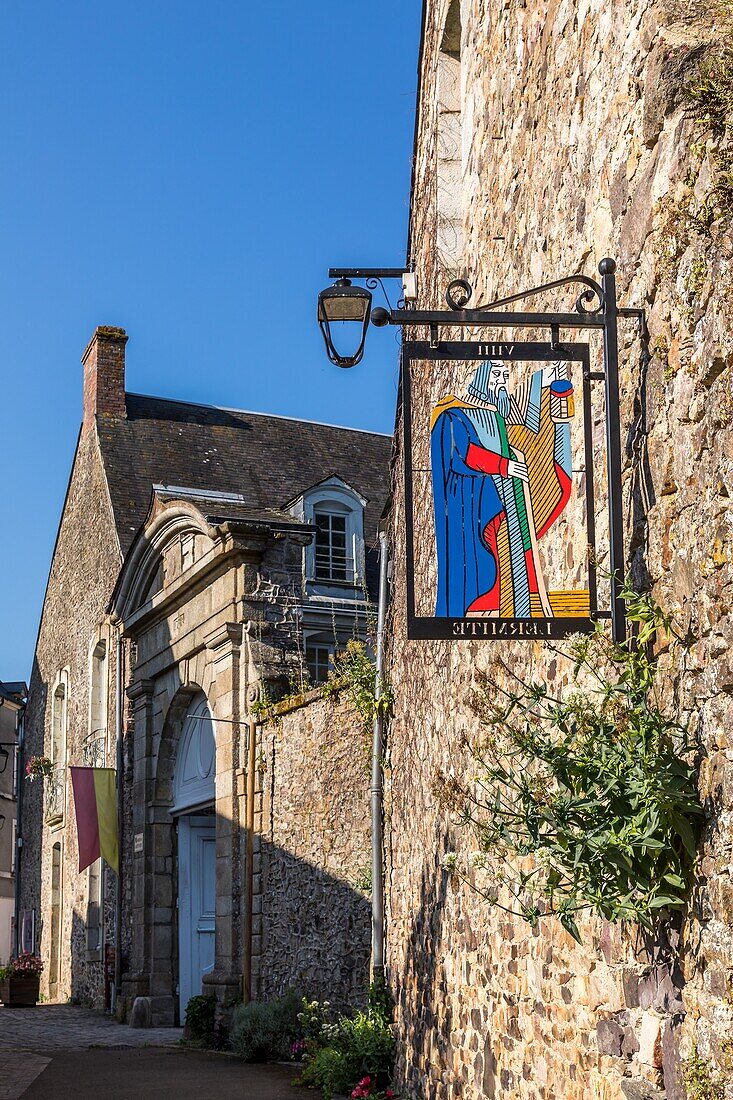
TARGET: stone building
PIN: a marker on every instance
(208, 561)
(12, 703)
(550, 135)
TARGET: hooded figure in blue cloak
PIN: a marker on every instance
(479, 482)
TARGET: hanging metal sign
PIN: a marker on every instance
(499, 467)
(499, 453)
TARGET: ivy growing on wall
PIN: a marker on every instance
(584, 800)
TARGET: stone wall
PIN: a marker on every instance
(578, 143)
(79, 586)
(314, 856)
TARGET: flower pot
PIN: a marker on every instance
(20, 990)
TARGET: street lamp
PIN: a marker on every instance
(4, 756)
(343, 302)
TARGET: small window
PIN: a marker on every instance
(332, 561)
(58, 724)
(55, 785)
(98, 692)
(318, 660)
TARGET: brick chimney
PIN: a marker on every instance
(104, 375)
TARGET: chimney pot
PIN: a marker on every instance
(104, 375)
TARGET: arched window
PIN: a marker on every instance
(336, 555)
(449, 143)
(195, 776)
(57, 917)
(55, 786)
(98, 692)
(59, 711)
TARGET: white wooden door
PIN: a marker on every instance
(196, 903)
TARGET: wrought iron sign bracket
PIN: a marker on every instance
(595, 308)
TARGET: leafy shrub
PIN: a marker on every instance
(263, 1030)
(596, 786)
(200, 1014)
(328, 1070)
(349, 1050)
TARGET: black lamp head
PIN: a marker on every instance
(343, 303)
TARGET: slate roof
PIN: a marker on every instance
(269, 460)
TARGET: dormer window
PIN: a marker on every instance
(336, 555)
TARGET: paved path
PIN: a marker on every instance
(166, 1074)
(68, 1027)
(65, 1051)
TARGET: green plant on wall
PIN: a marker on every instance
(355, 673)
(584, 800)
(709, 95)
(701, 1082)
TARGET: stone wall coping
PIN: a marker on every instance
(296, 702)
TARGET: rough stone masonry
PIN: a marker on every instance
(551, 134)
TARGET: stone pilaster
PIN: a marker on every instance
(224, 644)
(137, 981)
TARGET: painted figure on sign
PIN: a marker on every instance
(501, 477)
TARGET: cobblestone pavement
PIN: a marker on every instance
(49, 1027)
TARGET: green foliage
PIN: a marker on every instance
(586, 801)
(355, 673)
(381, 1001)
(340, 1054)
(314, 1017)
(6, 973)
(263, 1030)
(352, 1049)
(363, 879)
(200, 1014)
(710, 97)
(699, 1081)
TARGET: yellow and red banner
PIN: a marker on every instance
(95, 800)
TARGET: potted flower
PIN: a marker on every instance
(38, 767)
(20, 980)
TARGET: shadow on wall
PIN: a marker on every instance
(316, 932)
(423, 1002)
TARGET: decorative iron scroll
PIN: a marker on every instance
(460, 292)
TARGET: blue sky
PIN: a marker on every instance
(189, 172)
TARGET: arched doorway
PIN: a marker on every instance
(193, 808)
